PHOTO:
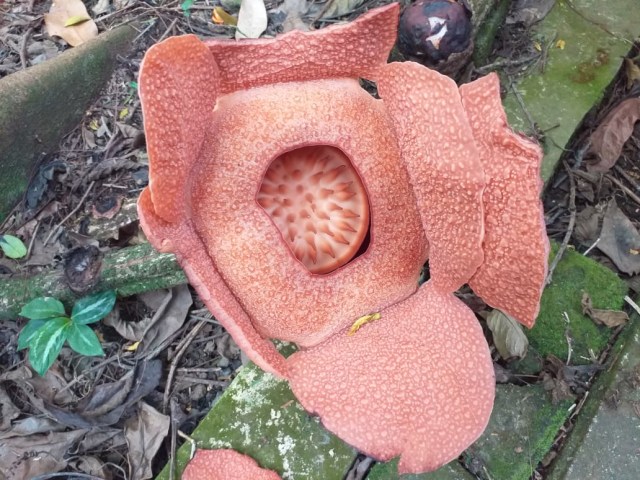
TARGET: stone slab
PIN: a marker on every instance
(389, 471)
(259, 416)
(521, 430)
(575, 78)
(605, 442)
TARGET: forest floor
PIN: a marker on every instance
(115, 410)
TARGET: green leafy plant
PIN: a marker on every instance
(12, 246)
(49, 327)
(186, 6)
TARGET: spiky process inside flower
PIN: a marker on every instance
(316, 199)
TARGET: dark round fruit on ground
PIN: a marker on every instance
(432, 30)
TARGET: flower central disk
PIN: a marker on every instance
(316, 199)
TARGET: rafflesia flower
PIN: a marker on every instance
(299, 204)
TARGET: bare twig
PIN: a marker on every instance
(182, 347)
(593, 245)
(174, 435)
(626, 189)
(545, 52)
(71, 213)
(168, 30)
(23, 48)
(183, 435)
(33, 238)
(572, 222)
(204, 381)
(579, 155)
(627, 177)
(518, 96)
(86, 372)
(505, 62)
(632, 304)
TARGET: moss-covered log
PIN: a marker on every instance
(129, 271)
(43, 103)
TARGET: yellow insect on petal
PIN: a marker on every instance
(220, 17)
(75, 20)
(561, 44)
(360, 322)
(133, 347)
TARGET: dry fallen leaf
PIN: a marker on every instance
(144, 433)
(252, 19)
(508, 336)
(8, 411)
(70, 20)
(619, 240)
(294, 11)
(609, 318)
(587, 226)
(632, 71)
(170, 312)
(34, 455)
(221, 17)
(608, 139)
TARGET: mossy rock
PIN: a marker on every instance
(522, 428)
(574, 275)
(259, 416)
(576, 72)
(604, 441)
(389, 471)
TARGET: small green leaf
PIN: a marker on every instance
(133, 85)
(42, 308)
(84, 340)
(28, 331)
(93, 308)
(76, 20)
(186, 5)
(12, 246)
(47, 343)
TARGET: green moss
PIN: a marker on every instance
(487, 32)
(259, 416)
(389, 471)
(522, 428)
(575, 77)
(574, 275)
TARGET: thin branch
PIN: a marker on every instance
(572, 223)
(182, 347)
(71, 213)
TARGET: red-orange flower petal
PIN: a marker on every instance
(516, 247)
(418, 382)
(443, 161)
(352, 50)
(283, 298)
(179, 238)
(178, 89)
(225, 465)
